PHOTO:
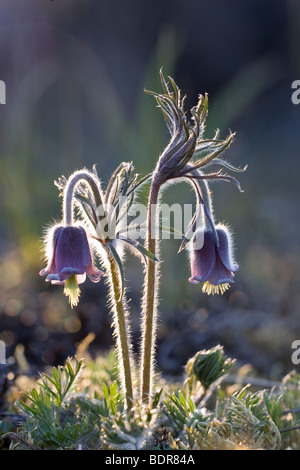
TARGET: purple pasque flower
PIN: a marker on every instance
(213, 264)
(69, 260)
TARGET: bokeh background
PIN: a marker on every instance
(75, 73)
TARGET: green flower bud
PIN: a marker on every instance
(208, 366)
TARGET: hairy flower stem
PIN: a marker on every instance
(121, 330)
(69, 193)
(118, 301)
(150, 298)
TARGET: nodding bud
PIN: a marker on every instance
(186, 136)
(69, 260)
(208, 366)
(176, 155)
(183, 134)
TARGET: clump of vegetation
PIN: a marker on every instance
(81, 406)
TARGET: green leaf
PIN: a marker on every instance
(220, 161)
(140, 248)
(70, 370)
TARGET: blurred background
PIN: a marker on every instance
(75, 73)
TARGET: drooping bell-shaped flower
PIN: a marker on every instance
(69, 260)
(213, 264)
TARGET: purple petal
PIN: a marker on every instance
(60, 278)
(93, 273)
(51, 267)
(44, 272)
(224, 250)
(67, 272)
(203, 260)
(72, 250)
(192, 280)
(221, 274)
(54, 279)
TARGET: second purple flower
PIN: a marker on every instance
(213, 264)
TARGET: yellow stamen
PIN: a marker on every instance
(210, 289)
(72, 290)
